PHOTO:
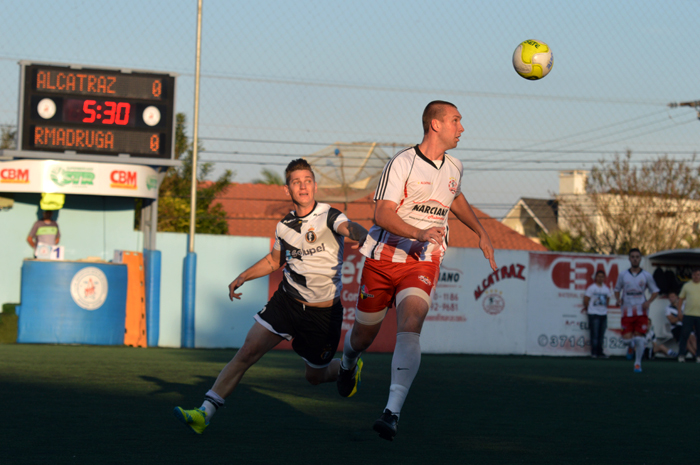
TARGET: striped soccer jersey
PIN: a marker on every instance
(424, 194)
(632, 287)
(313, 252)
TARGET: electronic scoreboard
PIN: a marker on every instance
(96, 111)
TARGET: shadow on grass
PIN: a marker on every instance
(97, 405)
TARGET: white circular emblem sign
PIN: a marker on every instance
(89, 288)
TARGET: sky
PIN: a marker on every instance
(284, 79)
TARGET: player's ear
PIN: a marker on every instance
(435, 124)
(286, 190)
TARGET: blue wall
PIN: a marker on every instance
(97, 226)
(218, 321)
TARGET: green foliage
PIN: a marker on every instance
(175, 191)
(562, 241)
(652, 205)
(7, 137)
(269, 177)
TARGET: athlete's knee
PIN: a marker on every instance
(363, 335)
(247, 355)
(314, 376)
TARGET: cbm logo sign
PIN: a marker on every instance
(123, 179)
(578, 273)
(14, 176)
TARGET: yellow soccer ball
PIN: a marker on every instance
(533, 59)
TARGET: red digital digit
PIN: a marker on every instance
(110, 112)
(122, 114)
(156, 89)
(155, 143)
(89, 111)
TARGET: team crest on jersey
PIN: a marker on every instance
(425, 280)
(364, 294)
(310, 236)
(452, 185)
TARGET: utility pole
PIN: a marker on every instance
(695, 104)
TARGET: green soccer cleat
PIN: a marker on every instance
(349, 380)
(196, 419)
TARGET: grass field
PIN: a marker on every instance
(113, 405)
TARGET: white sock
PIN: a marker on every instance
(350, 355)
(404, 367)
(212, 402)
(639, 342)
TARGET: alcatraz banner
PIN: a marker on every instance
(70, 177)
(556, 324)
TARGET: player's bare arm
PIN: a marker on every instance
(353, 231)
(586, 301)
(268, 264)
(464, 213)
(386, 218)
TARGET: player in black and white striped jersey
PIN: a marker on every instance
(306, 307)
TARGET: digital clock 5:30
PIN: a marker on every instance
(98, 112)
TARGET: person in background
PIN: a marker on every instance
(595, 304)
(634, 306)
(690, 314)
(676, 323)
(44, 232)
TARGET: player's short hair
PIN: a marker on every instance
(434, 110)
(600, 272)
(694, 269)
(634, 249)
(296, 165)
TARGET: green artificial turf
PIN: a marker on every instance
(8, 324)
(104, 405)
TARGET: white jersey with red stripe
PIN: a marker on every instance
(423, 194)
(632, 287)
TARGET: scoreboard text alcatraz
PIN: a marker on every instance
(103, 112)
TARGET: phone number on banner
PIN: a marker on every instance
(571, 341)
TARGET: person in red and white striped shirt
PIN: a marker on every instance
(634, 306)
(418, 188)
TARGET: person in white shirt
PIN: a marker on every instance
(595, 304)
(419, 187)
(634, 306)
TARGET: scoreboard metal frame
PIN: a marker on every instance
(69, 108)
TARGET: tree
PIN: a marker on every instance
(7, 137)
(174, 194)
(562, 241)
(269, 178)
(653, 206)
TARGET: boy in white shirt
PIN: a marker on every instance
(595, 303)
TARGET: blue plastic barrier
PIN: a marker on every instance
(72, 303)
(189, 294)
(152, 259)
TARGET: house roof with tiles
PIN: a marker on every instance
(254, 210)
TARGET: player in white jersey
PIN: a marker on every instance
(306, 308)
(634, 306)
(418, 188)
